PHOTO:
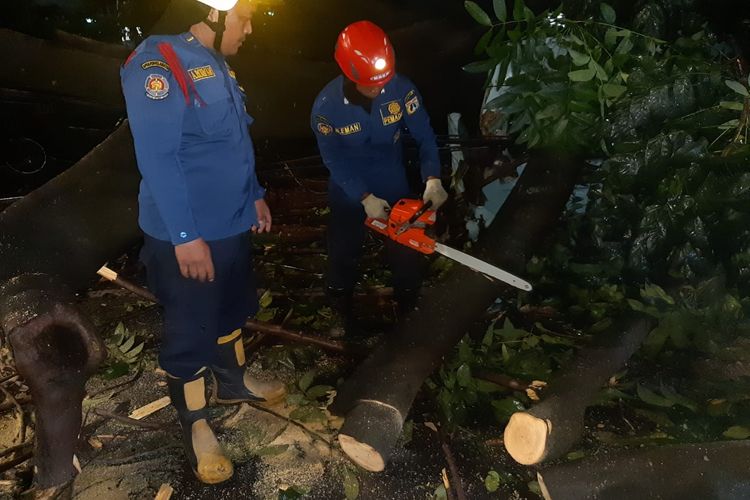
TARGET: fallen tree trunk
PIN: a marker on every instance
(51, 243)
(549, 429)
(377, 398)
(711, 471)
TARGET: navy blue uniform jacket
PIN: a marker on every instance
(363, 151)
(196, 158)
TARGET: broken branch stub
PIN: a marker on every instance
(549, 429)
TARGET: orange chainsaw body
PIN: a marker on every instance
(399, 228)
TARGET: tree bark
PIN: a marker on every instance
(393, 374)
(707, 471)
(549, 429)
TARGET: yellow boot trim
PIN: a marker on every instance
(213, 466)
(239, 352)
(195, 394)
(228, 338)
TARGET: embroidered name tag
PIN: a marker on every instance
(201, 73)
(349, 129)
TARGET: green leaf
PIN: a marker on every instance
(578, 58)
(518, 10)
(483, 42)
(501, 11)
(655, 293)
(613, 90)
(128, 344)
(270, 451)
(734, 105)
(608, 13)
(492, 481)
(737, 432)
(463, 375)
(440, 493)
(737, 87)
(480, 66)
(308, 414)
(650, 397)
(600, 73)
(477, 13)
(265, 299)
(306, 380)
(504, 408)
(581, 75)
(318, 391)
(120, 329)
(351, 484)
(610, 37)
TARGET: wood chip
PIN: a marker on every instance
(431, 426)
(164, 493)
(95, 443)
(446, 482)
(152, 407)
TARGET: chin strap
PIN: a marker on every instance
(218, 28)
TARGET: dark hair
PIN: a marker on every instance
(179, 16)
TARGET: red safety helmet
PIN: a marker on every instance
(365, 54)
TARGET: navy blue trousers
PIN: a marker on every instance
(195, 313)
(346, 235)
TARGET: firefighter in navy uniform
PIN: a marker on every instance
(199, 199)
(359, 119)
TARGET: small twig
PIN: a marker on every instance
(9, 451)
(21, 433)
(312, 433)
(18, 460)
(138, 373)
(504, 381)
(455, 476)
(130, 421)
(8, 378)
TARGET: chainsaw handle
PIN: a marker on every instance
(419, 212)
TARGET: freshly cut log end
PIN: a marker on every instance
(369, 433)
(526, 438)
(362, 454)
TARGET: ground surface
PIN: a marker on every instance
(284, 451)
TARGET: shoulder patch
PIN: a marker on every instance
(323, 125)
(157, 87)
(155, 63)
(201, 73)
(411, 102)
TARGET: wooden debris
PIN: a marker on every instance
(152, 407)
(164, 493)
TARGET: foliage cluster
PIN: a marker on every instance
(664, 124)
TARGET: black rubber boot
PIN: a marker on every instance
(341, 301)
(202, 448)
(232, 383)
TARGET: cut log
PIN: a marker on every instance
(711, 471)
(549, 429)
(394, 372)
(51, 243)
(55, 349)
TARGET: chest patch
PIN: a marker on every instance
(391, 112)
(201, 73)
(352, 128)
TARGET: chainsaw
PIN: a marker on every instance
(406, 225)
